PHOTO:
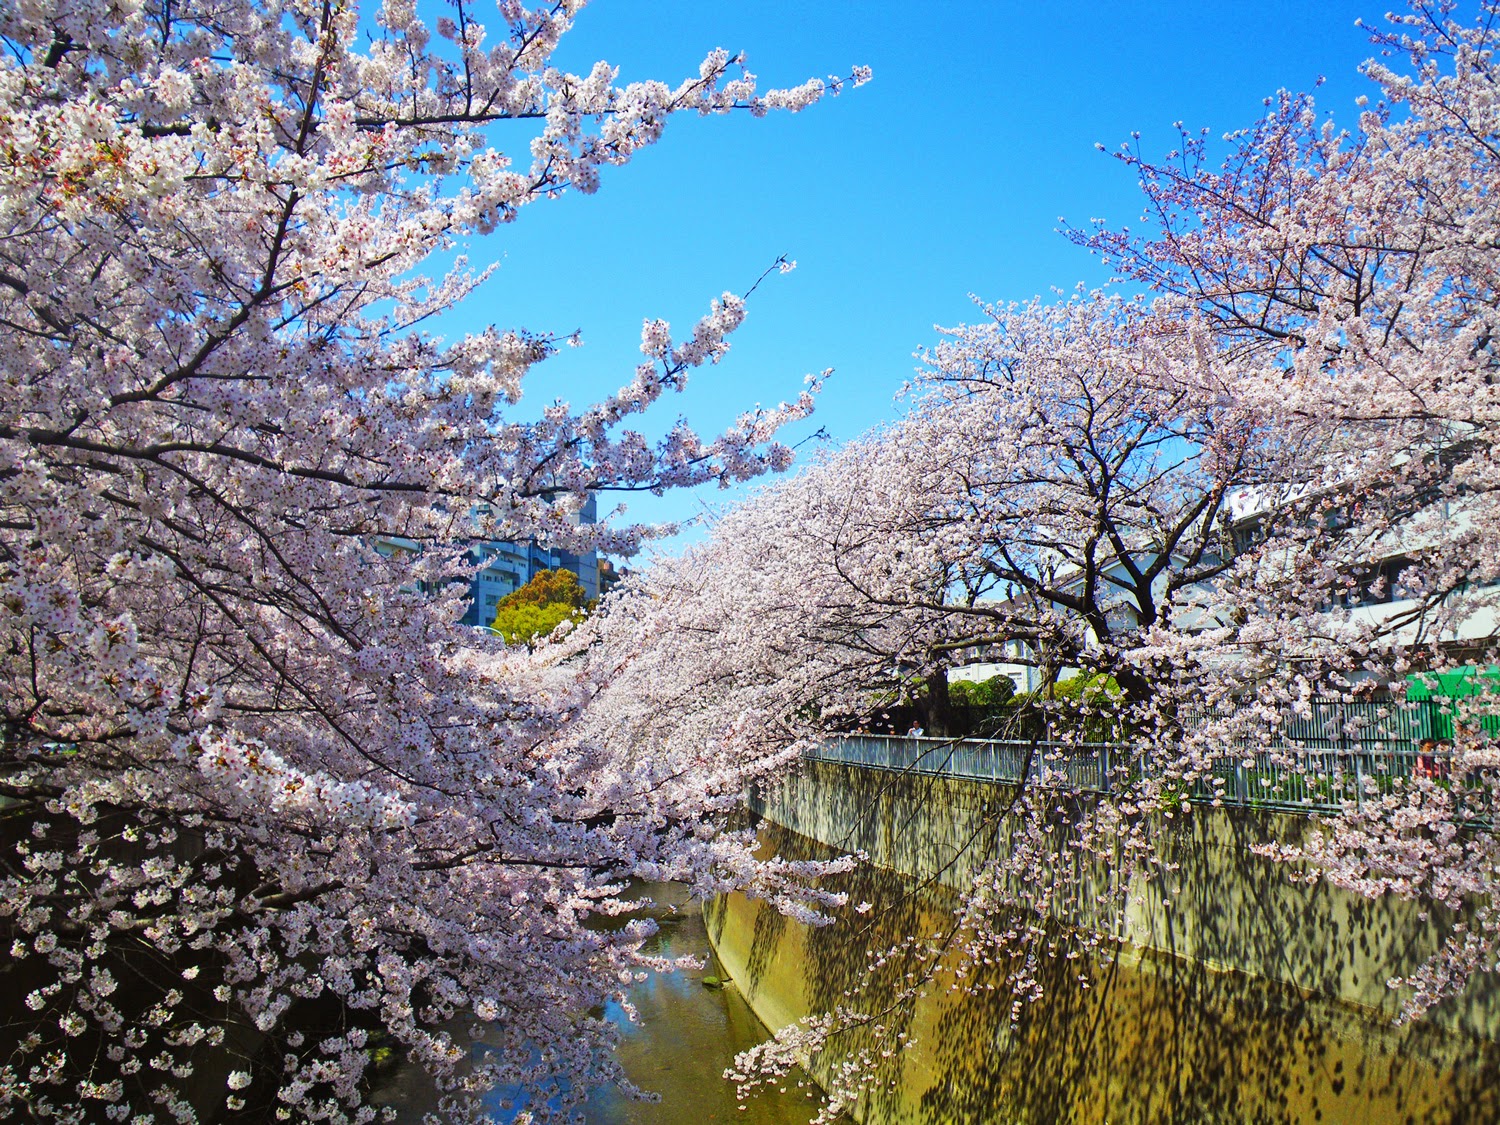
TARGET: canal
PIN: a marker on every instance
(686, 1035)
(1134, 1034)
(1239, 995)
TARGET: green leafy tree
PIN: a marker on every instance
(993, 692)
(540, 606)
(1083, 706)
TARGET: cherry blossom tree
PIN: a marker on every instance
(1271, 480)
(264, 806)
(1079, 477)
(1059, 485)
(1358, 266)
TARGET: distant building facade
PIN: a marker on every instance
(505, 567)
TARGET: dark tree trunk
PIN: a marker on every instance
(936, 708)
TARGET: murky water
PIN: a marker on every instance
(685, 1037)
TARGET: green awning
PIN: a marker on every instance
(1442, 690)
(1454, 684)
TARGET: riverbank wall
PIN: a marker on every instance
(1231, 989)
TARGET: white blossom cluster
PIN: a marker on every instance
(1270, 481)
(269, 815)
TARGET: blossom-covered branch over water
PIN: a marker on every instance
(265, 805)
(1270, 479)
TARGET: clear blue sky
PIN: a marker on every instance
(945, 176)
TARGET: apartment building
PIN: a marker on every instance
(503, 566)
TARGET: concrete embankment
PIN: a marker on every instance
(1232, 991)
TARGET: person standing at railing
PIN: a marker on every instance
(1428, 762)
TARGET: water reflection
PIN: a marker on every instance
(685, 1036)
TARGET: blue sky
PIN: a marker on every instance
(945, 176)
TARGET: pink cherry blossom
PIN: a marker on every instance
(251, 765)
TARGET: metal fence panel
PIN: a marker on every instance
(1337, 755)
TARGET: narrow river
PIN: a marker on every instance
(686, 1036)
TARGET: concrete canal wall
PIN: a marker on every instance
(1239, 992)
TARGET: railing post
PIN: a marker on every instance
(1312, 779)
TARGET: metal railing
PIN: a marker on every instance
(1287, 777)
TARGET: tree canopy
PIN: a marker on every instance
(264, 801)
(540, 606)
(1270, 479)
